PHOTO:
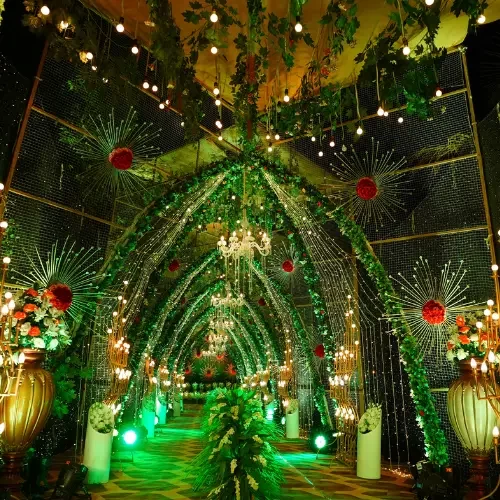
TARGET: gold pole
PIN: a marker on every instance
(480, 164)
(361, 374)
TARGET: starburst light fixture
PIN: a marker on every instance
(431, 303)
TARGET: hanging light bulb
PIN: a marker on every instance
(213, 50)
(277, 136)
(400, 119)
(182, 124)
(167, 102)
(359, 130)
(89, 55)
(220, 137)
(298, 26)
(218, 124)
(481, 19)
(63, 25)
(406, 47)
(214, 17)
(94, 68)
(386, 113)
(45, 10)
(217, 102)
(268, 137)
(135, 47)
(286, 98)
(429, 2)
(332, 143)
(439, 92)
(104, 79)
(154, 88)
(313, 139)
(119, 27)
(380, 111)
(270, 148)
(320, 153)
(162, 106)
(145, 84)
(216, 90)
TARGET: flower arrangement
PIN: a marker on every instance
(466, 337)
(238, 461)
(293, 406)
(39, 318)
(371, 419)
(101, 418)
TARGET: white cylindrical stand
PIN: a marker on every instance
(148, 421)
(97, 455)
(292, 425)
(182, 403)
(162, 415)
(157, 407)
(177, 408)
(369, 453)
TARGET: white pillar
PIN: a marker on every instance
(369, 453)
(97, 455)
(162, 416)
(148, 421)
(292, 425)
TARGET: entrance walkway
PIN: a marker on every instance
(161, 471)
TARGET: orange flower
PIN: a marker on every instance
(464, 339)
(29, 308)
(460, 321)
(34, 331)
(19, 315)
(48, 295)
(463, 329)
(32, 292)
(450, 345)
(484, 336)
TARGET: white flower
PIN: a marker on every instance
(461, 354)
(53, 344)
(450, 355)
(25, 328)
(38, 343)
(39, 314)
(474, 337)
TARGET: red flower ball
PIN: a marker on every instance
(288, 266)
(208, 373)
(262, 302)
(121, 158)
(63, 296)
(198, 354)
(434, 312)
(174, 266)
(366, 188)
(220, 356)
(319, 351)
(187, 371)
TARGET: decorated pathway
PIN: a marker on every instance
(161, 471)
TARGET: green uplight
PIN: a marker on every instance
(130, 437)
(270, 414)
(320, 442)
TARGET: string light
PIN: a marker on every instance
(167, 102)
(162, 106)
(268, 137)
(400, 119)
(120, 27)
(386, 113)
(46, 11)
(182, 124)
(154, 88)
(135, 48)
(89, 55)
(63, 25)
(220, 137)
(218, 124)
(214, 50)
(217, 102)
(277, 136)
(380, 111)
(320, 153)
(429, 2)
(216, 90)
(145, 84)
(94, 68)
(332, 143)
(406, 47)
(104, 79)
(214, 17)
(270, 148)
(481, 19)
(298, 26)
(286, 98)
(313, 139)
(359, 130)
(439, 92)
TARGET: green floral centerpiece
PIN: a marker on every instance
(238, 461)
(101, 418)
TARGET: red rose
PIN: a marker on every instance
(173, 266)
(288, 266)
(121, 158)
(19, 315)
(262, 302)
(319, 203)
(63, 296)
(34, 331)
(460, 321)
(29, 308)
(464, 339)
(366, 188)
(31, 292)
(319, 351)
(434, 312)
(48, 295)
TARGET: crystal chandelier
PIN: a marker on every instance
(228, 301)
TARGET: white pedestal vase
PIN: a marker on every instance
(97, 453)
(292, 420)
(369, 453)
(148, 421)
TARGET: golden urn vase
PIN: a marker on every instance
(25, 415)
(472, 420)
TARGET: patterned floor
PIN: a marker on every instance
(162, 471)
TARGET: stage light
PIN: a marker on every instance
(119, 27)
(130, 437)
(286, 98)
(298, 26)
(481, 19)
(213, 50)
(135, 48)
(320, 442)
(46, 11)
(214, 17)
